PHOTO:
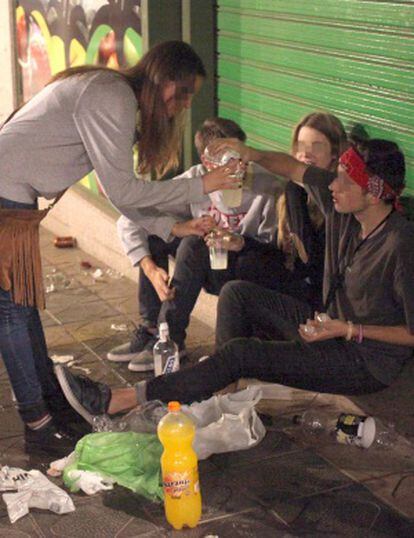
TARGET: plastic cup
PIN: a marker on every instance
(218, 255)
(232, 197)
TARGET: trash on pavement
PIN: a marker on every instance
(34, 490)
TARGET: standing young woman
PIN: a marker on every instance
(86, 118)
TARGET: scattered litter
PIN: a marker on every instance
(112, 273)
(56, 281)
(57, 466)
(86, 371)
(62, 359)
(34, 490)
(65, 242)
(90, 482)
(85, 264)
(98, 274)
(120, 327)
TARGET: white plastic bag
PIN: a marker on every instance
(223, 423)
(226, 422)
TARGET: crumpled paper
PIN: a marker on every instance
(34, 490)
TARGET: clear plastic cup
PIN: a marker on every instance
(218, 254)
(231, 197)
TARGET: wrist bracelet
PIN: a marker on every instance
(360, 336)
(350, 330)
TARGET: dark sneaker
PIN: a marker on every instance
(144, 361)
(131, 350)
(49, 440)
(88, 398)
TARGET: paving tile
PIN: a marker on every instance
(397, 490)
(57, 335)
(115, 288)
(90, 330)
(24, 528)
(220, 494)
(94, 519)
(252, 523)
(273, 445)
(288, 476)
(350, 512)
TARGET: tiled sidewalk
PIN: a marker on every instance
(289, 485)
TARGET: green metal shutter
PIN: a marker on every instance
(281, 59)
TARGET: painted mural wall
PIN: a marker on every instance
(55, 34)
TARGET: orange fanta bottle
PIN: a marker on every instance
(182, 499)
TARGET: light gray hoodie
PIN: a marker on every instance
(255, 218)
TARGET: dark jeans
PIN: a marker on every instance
(24, 352)
(257, 262)
(149, 303)
(279, 356)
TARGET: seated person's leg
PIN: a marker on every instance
(334, 366)
(191, 267)
(246, 309)
(138, 351)
(263, 264)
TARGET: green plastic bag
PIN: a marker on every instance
(131, 459)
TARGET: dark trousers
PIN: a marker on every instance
(149, 303)
(24, 352)
(279, 355)
(257, 262)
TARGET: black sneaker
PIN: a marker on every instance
(87, 397)
(49, 441)
(131, 350)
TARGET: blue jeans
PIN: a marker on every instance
(24, 352)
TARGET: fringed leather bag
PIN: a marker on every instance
(20, 263)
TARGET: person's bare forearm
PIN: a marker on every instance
(398, 335)
(147, 265)
(280, 164)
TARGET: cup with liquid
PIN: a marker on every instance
(218, 254)
(231, 197)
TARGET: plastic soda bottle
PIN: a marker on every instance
(166, 355)
(182, 498)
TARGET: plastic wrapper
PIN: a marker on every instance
(34, 490)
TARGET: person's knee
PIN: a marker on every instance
(240, 353)
(237, 291)
(191, 243)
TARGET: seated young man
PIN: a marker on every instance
(368, 295)
(251, 227)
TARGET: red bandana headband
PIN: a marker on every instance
(356, 170)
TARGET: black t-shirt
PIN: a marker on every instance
(378, 287)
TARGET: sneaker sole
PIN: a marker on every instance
(71, 398)
(120, 358)
(140, 367)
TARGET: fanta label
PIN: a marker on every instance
(177, 484)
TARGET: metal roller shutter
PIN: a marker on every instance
(279, 60)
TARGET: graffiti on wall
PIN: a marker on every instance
(55, 34)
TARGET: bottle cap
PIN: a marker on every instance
(174, 406)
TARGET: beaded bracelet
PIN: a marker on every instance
(349, 331)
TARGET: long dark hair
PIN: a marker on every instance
(159, 137)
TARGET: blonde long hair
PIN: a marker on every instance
(159, 138)
(330, 126)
